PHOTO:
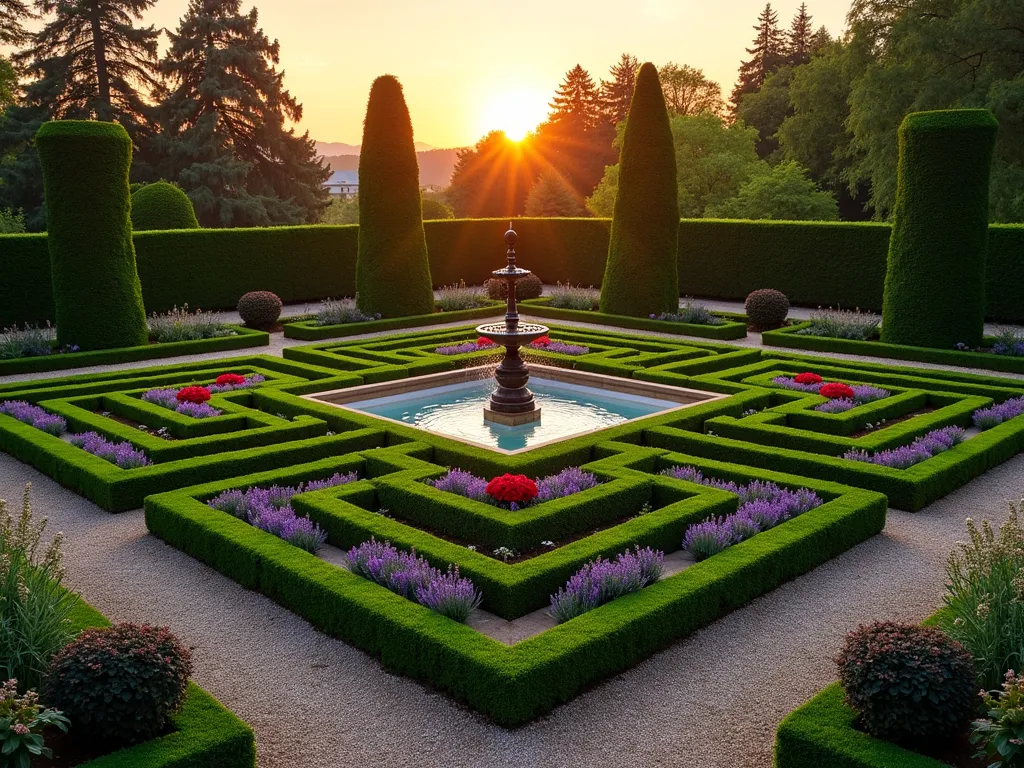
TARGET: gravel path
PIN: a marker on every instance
(714, 699)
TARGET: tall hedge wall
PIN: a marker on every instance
(812, 263)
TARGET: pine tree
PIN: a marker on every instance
(617, 92)
(766, 56)
(800, 38)
(551, 195)
(89, 61)
(819, 40)
(13, 15)
(223, 115)
(576, 101)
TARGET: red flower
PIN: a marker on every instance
(543, 341)
(516, 489)
(483, 341)
(229, 378)
(193, 395)
(808, 378)
(835, 389)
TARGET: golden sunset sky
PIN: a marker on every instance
(469, 66)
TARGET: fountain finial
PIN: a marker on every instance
(511, 238)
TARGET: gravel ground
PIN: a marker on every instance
(714, 699)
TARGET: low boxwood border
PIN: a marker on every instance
(791, 339)
(735, 326)
(515, 684)
(308, 330)
(243, 339)
(206, 734)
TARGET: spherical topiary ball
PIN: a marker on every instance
(908, 683)
(162, 206)
(119, 685)
(767, 308)
(259, 309)
(529, 287)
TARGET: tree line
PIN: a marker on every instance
(211, 115)
(809, 130)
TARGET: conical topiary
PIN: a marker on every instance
(642, 273)
(392, 270)
(162, 206)
(935, 279)
(96, 289)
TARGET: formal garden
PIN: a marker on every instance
(644, 465)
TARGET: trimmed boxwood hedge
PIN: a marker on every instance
(791, 338)
(735, 326)
(243, 339)
(513, 684)
(308, 330)
(205, 733)
(723, 259)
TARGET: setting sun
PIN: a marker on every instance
(514, 112)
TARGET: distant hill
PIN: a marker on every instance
(435, 165)
(330, 148)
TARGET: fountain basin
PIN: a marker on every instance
(574, 403)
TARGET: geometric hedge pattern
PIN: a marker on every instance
(270, 434)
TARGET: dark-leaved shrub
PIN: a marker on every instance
(529, 287)
(259, 309)
(766, 308)
(908, 683)
(119, 685)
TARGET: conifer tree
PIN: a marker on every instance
(13, 15)
(800, 37)
(642, 272)
(551, 195)
(576, 101)
(392, 270)
(617, 92)
(89, 61)
(766, 56)
(223, 115)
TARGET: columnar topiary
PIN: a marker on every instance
(935, 281)
(392, 271)
(96, 287)
(642, 274)
(162, 206)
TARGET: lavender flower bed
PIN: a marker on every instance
(922, 449)
(563, 348)
(167, 398)
(412, 577)
(459, 349)
(763, 505)
(34, 416)
(251, 380)
(602, 581)
(565, 483)
(862, 393)
(124, 455)
(270, 510)
(986, 418)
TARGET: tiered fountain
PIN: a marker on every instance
(512, 403)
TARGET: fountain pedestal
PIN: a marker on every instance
(512, 403)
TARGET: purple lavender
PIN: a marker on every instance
(863, 393)
(787, 382)
(602, 581)
(34, 416)
(986, 418)
(412, 577)
(703, 540)
(168, 398)
(762, 505)
(567, 482)
(459, 349)
(251, 380)
(450, 595)
(839, 405)
(124, 455)
(562, 348)
(270, 510)
(463, 483)
(922, 449)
